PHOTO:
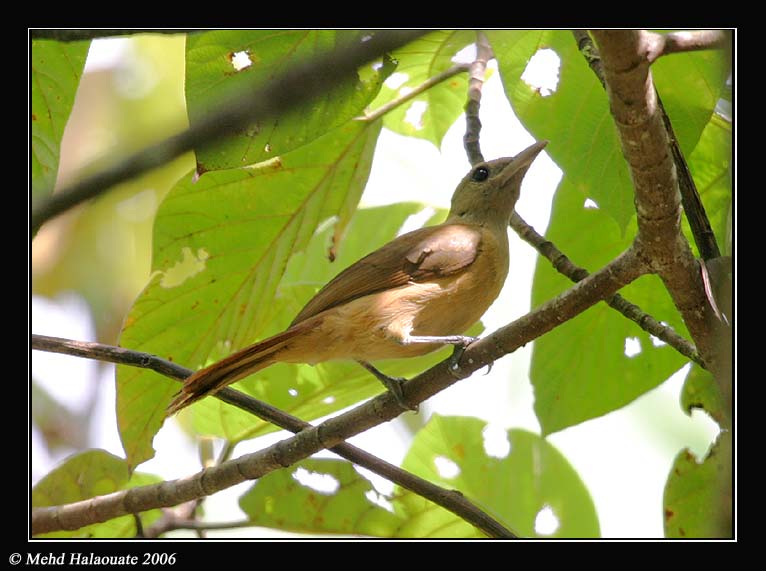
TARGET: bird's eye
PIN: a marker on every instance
(480, 174)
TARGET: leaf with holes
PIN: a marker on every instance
(697, 501)
(517, 477)
(320, 496)
(222, 62)
(430, 114)
(86, 475)
(580, 370)
(221, 245)
(56, 71)
(576, 120)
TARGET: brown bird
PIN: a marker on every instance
(415, 294)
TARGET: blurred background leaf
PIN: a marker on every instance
(319, 496)
(88, 474)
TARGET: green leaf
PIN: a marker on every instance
(220, 247)
(576, 117)
(329, 496)
(442, 104)
(319, 496)
(304, 391)
(698, 497)
(690, 85)
(56, 71)
(86, 475)
(222, 62)
(710, 164)
(579, 370)
(517, 483)
(701, 391)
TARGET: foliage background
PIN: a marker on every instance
(100, 256)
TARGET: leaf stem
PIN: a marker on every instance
(404, 98)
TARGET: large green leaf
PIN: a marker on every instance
(580, 369)
(442, 104)
(56, 71)
(576, 117)
(698, 496)
(518, 482)
(221, 62)
(516, 486)
(221, 245)
(86, 475)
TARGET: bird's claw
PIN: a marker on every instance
(457, 354)
(394, 386)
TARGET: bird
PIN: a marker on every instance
(415, 294)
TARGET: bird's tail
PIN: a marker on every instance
(236, 366)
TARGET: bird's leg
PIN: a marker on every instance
(461, 342)
(393, 384)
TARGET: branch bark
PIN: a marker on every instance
(595, 287)
(646, 147)
(256, 102)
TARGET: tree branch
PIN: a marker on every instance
(331, 433)
(70, 35)
(448, 499)
(646, 147)
(477, 72)
(566, 267)
(702, 232)
(425, 86)
(255, 102)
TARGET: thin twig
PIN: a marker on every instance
(255, 101)
(427, 84)
(478, 70)
(448, 499)
(197, 525)
(70, 35)
(330, 434)
(566, 267)
(686, 41)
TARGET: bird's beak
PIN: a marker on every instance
(522, 161)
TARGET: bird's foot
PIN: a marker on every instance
(457, 354)
(393, 384)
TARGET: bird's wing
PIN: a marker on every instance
(418, 256)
